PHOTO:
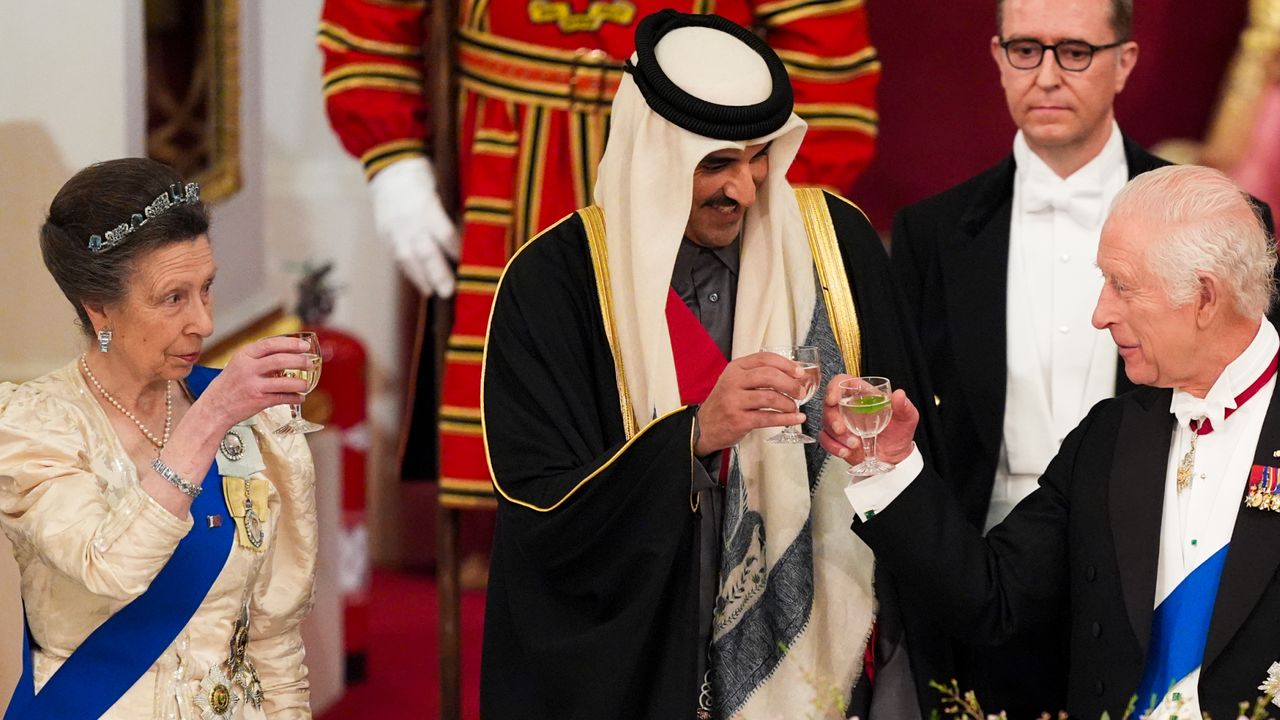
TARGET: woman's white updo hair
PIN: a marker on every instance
(1213, 227)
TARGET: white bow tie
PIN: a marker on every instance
(1084, 205)
(1187, 407)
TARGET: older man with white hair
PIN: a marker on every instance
(1159, 519)
(655, 555)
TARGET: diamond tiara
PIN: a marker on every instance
(176, 195)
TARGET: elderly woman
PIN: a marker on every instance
(166, 537)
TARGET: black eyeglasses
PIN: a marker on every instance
(1072, 55)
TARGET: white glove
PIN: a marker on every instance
(408, 216)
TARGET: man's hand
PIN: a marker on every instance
(409, 216)
(893, 444)
(753, 392)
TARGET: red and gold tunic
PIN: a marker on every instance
(537, 79)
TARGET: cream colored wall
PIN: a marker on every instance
(69, 96)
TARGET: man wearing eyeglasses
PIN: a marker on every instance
(1000, 281)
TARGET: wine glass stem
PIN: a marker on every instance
(295, 411)
(869, 449)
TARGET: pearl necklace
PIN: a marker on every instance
(168, 407)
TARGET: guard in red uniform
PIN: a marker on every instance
(537, 79)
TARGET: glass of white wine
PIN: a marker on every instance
(297, 424)
(808, 358)
(867, 404)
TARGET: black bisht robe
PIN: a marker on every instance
(593, 587)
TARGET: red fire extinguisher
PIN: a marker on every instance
(343, 389)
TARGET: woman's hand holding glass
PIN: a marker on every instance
(254, 380)
(893, 443)
(297, 424)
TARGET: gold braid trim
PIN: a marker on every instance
(839, 116)
(383, 154)
(593, 220)
(836, 291)
(333, 36)
(777, 14)
(842, 68)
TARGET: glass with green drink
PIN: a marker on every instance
(867, 405)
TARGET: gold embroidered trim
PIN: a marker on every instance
(383, 154)
(836, 292)
(467, 342)
(607, 464)
(458, 428)
(780, 13)
(531, 168)
(468, 500)
(459, 412)
(598, 12)
(529, 74)
(392, 70)
(624, 400)
(839, 116)
(407, 87)
(532, 53)
(842, 68)
(335, 37)
(593, 220)
(482, 147)
(479, 216)
(465, 357)
(498, 137)
(478, 272)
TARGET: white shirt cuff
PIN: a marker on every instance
(872, 494)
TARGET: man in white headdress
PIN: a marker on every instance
(654, 556)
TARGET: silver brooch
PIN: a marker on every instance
(232, 446)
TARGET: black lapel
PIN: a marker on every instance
(1123, 383)
(1252, 558)
(1138, 159)
(1136, 499)
(975, 266)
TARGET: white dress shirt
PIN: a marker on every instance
(1058, 364)
(1198, 522)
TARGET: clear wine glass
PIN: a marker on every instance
(867, 404)
(808, 358)
(297, 424)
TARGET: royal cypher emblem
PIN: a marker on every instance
(599, 12)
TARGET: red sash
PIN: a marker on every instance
(698, 360)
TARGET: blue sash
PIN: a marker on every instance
(1179, 629)
(123, 648)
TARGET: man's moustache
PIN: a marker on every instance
(721, 202)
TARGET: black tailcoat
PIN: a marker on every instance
(1090, 534)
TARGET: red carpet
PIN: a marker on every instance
(403, 663)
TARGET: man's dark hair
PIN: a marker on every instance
(1121, 20)
(97, 199)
